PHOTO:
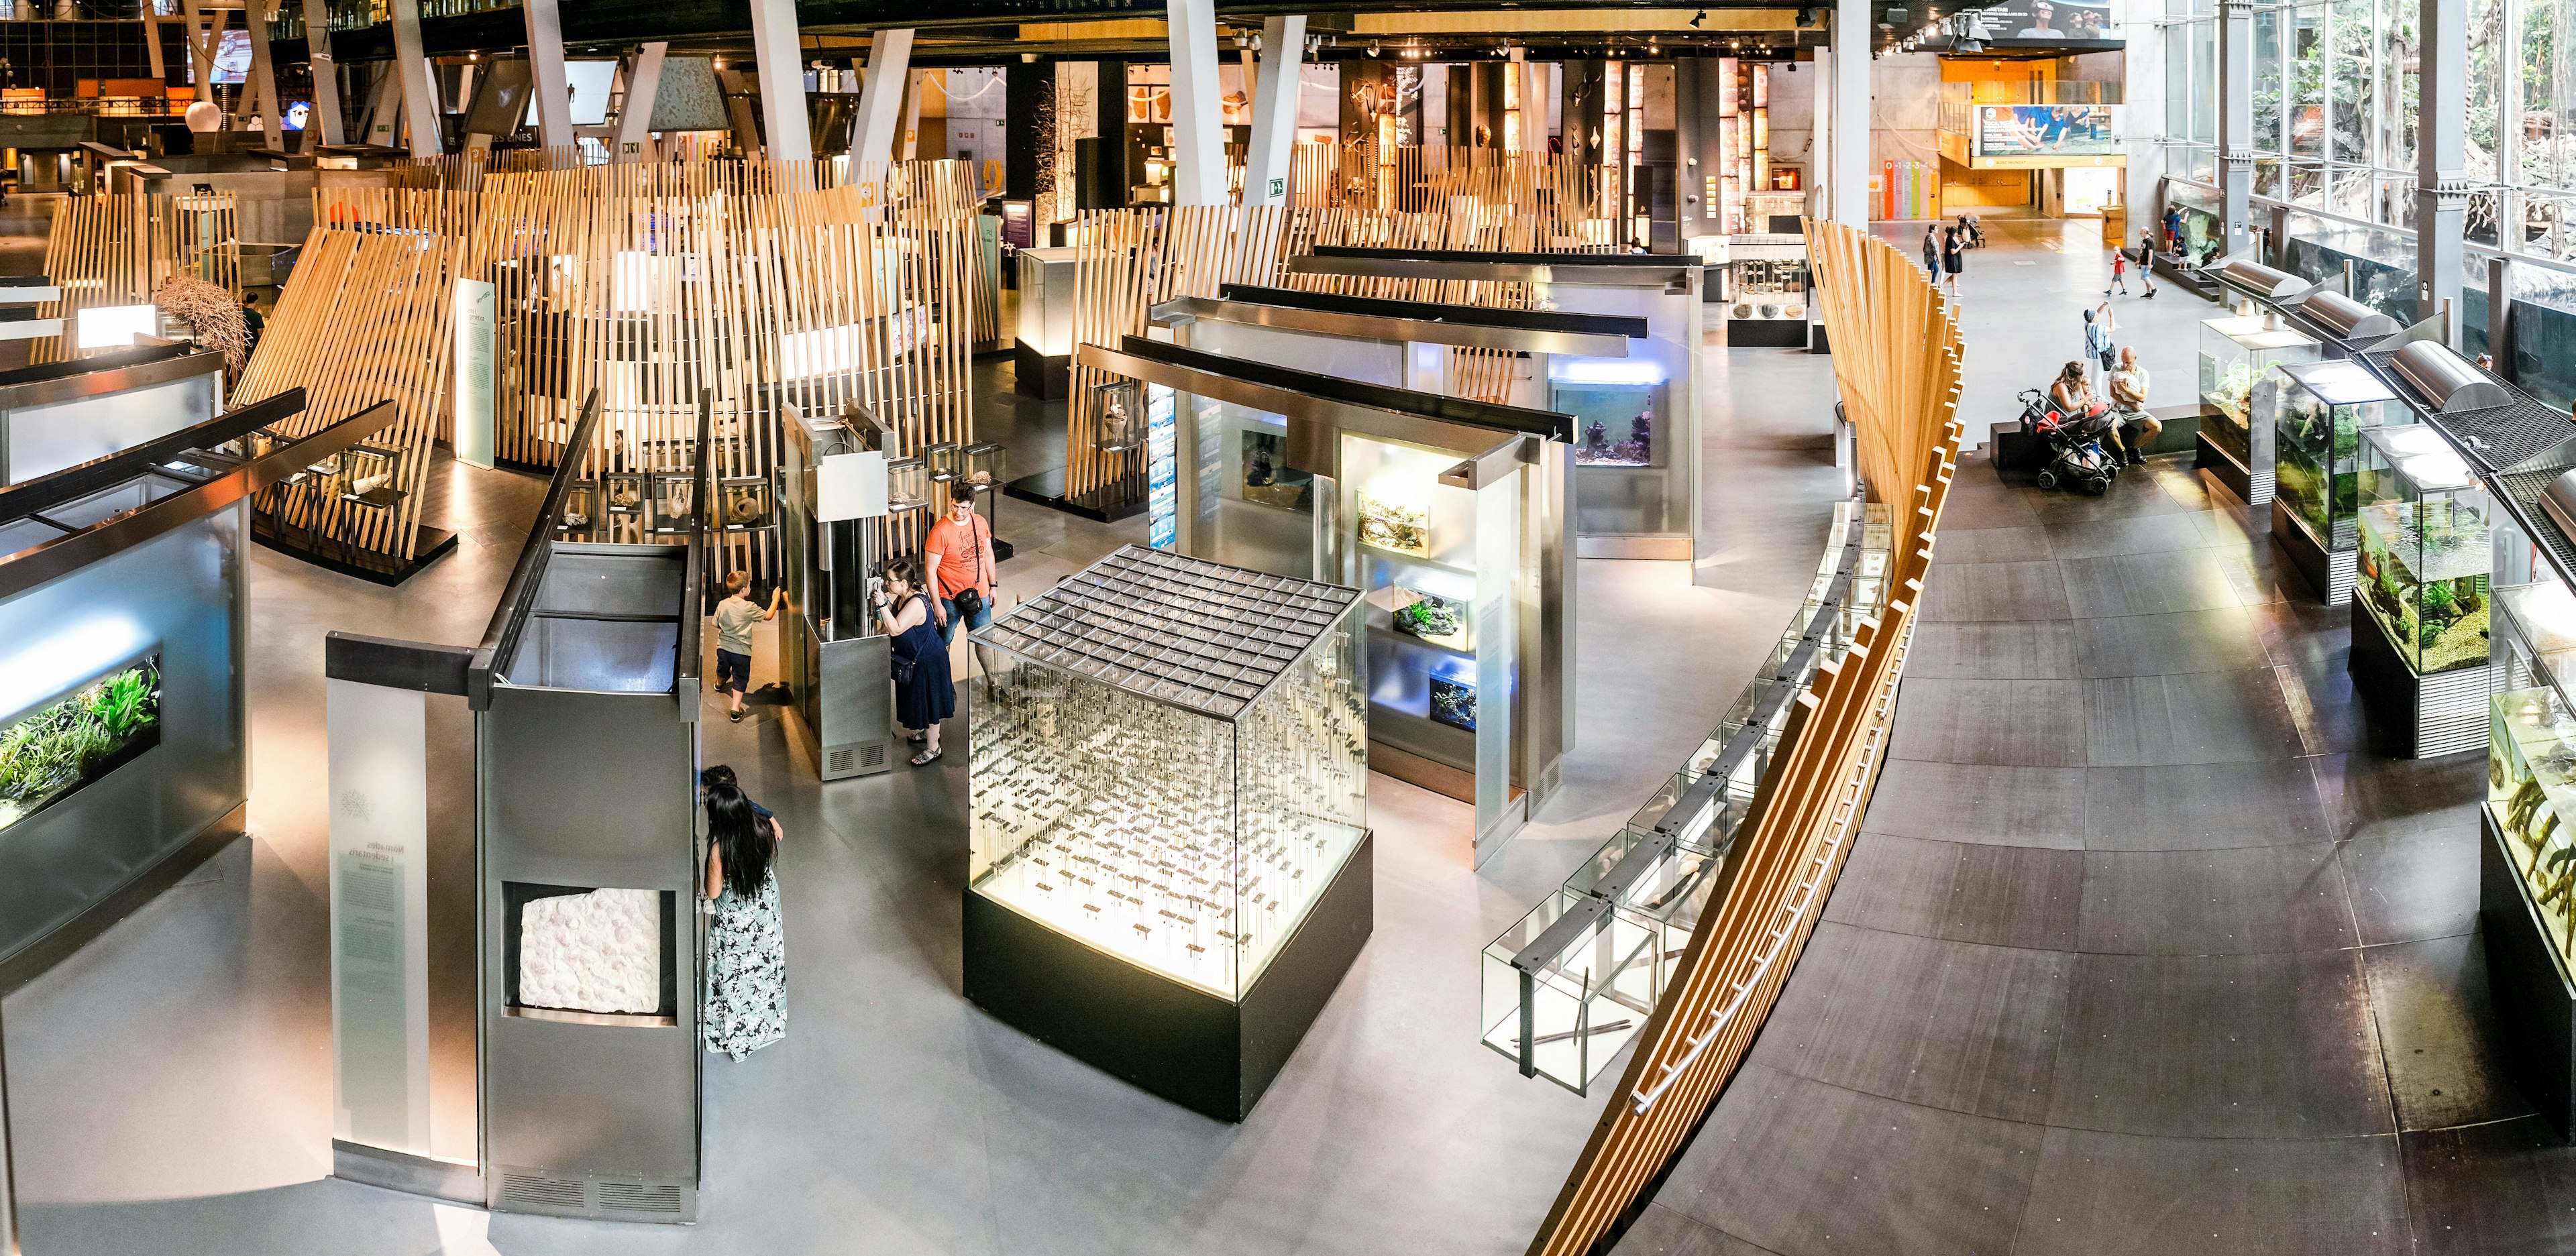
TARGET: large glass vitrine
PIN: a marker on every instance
(2424, 548)
(2238, 393)
(2321, 412)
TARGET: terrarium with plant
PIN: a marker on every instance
(2235, 383)
(2316, 438)
(2422, 570)
(49, 753)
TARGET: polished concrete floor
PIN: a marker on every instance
(2140, 950)
(171, 1083)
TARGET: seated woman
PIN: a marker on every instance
(2129, 400)
(2071, 394)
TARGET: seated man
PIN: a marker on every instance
(2129, 400)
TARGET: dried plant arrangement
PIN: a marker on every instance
(213, 312)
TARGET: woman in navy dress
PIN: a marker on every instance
(923, 693)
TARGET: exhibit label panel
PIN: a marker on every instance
(379, 915)
(474, 304)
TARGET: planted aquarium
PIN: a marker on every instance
(2324, 408)
(2236, 356)
(2531, 784)
(2424, 548)
(50, 753)
(1267, 477)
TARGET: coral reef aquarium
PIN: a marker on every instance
(50, 753)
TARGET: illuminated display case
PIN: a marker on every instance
(1169, 800)
(2420, 642)
(2237, 394)
(2321, 412)
(2527, 862)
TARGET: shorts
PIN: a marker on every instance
(733, 671)
(948, 620)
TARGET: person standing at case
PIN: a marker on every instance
(1932, 252)
(1954, 257)
(959, 554)
(923, 693)
(734, 617)
(746, 996)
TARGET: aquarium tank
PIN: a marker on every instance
(2531, 746)
(2316, 438)
(2424, 560)
(2236, 354)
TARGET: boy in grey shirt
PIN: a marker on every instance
(734, 617)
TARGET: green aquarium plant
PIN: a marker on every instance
(55, 750)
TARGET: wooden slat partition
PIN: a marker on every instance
(118, 250)
(1898, 354)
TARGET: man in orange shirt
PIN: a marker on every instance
(959, 553)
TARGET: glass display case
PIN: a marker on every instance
(985, 466)
(746, 503)
(1180, 770)
(2424, 548)
(907, 485)
(675, 500)
(2322, 410)
(1766, 287)
(2237, 355)
(370, 479)
(2531, 752)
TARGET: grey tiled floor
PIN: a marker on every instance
(2140, 950)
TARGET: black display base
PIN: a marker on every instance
(1123, 500)
(2315, 565)
(386, 569)
(39, 956)
(1766, 333)
(1040, 376)
(1179, 1042)
(2014, 451)
(2412, 716)
(2222, 466)
(1816, 339)
(2535, 1003)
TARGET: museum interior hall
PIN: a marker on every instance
(1410, 627)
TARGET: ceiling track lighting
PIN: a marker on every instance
(1698, 18)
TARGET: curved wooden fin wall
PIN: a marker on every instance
(1897, 356)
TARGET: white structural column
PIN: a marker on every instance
(1847, 174)
(881, 93)
(411, 75)
(2441, 174)
(780, 54)
(201, 46)
(546, 68)
(263, 74)
(2236, 120)
(1198, 106)
(325, 124)
(152, 49)
(635, 112)
(1274, 111)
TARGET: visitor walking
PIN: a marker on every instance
(2119, 272)
(1932, 252)
(734, 617)
(1954, 252)
(746, 995)
(2146, 258)
(923, 693)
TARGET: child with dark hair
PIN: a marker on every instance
(746, 995)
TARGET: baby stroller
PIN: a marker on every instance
(2075, 454)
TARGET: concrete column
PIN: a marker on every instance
(326, 125)
(881, 93)
(779, 52)
(1274, 111)
(635, 112)
(546, 71)
(152, 49)
(907, 142)
(201, 46)
(2441, 161)
(263, 77)
(411, 70)
(1198, 109)
(2500, 318)
(1847, 116)
(2236, 120)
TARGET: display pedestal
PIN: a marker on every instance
(2411, 716)
(2250, 487)
(350, 560)
(1122, 500)
(2328, 572)
(1181, 1042)
(2535, 1002)
(1768, 333)
(1040, 376)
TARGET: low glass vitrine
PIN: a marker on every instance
(2424, 548)
(2236, 391)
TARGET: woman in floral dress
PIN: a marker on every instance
(746, 997)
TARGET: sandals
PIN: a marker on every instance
(918, 738)
(920, 760)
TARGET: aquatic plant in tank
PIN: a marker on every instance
(2422, 570)
(50, 753)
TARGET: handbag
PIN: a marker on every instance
(970, 600)
(902, 663)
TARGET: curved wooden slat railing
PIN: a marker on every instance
(1897, 355)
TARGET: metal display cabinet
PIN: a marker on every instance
(837, 663)
(586, 692)
(1452, 516)
(62, 414)
(1637, 489)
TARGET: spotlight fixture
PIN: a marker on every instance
(1256, 41)
(1373, 49)
(1698, 18)
(1807, 16)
